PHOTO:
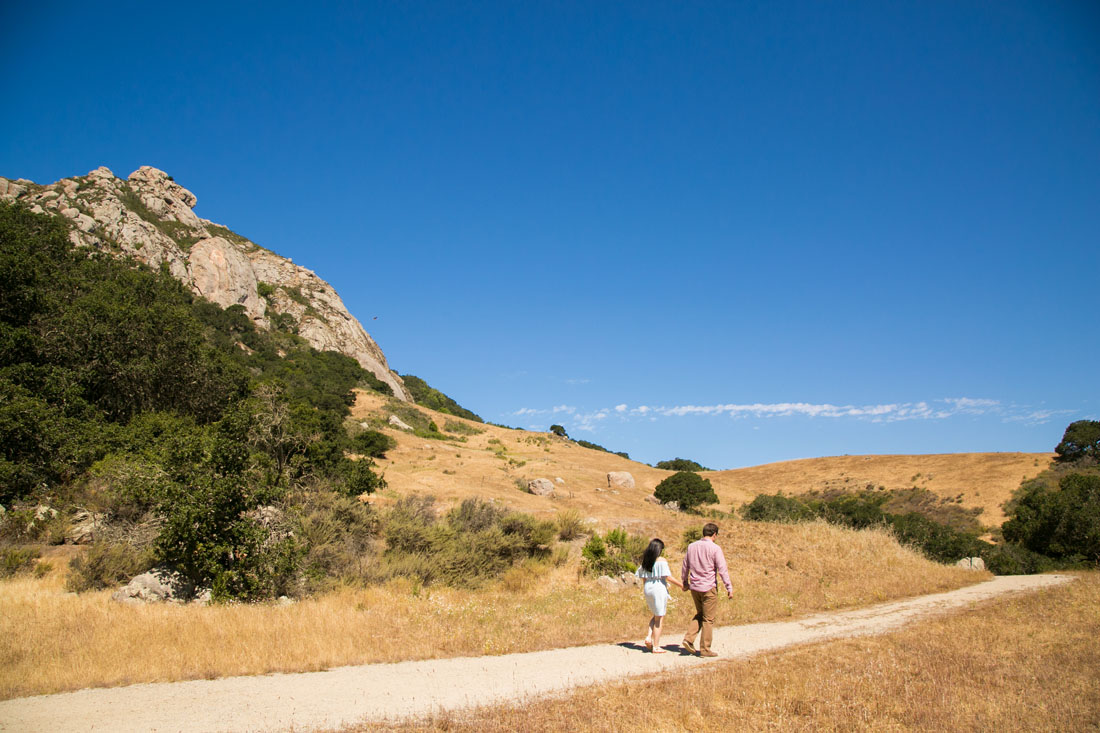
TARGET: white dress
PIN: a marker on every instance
(655, 589)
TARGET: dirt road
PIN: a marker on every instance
(346, 695)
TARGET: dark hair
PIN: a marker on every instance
(710, 529)
(651, 554)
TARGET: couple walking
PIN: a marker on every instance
(703, 564)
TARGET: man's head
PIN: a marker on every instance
(710, 529)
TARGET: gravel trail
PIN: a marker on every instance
(345, 695)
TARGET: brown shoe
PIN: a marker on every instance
(687, 646)
(707, 653)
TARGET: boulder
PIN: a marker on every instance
(609, 584)
(159, 585)
(540, 487)
(629, 579)
(399, 423)
(619, 480)
(971, 563)
(84, 526)
(559, 480)
(653, 500)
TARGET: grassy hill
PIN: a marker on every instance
(494, 462)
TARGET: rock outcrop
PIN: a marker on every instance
(150, 218)
(540, 487)
(619, 480)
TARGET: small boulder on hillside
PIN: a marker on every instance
(399, 423)
(619, 480)
(159, 585)
(540, 487)
(84, 526)
(971, 563)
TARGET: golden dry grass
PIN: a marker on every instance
(51, 641)
(1029, 663)
(453, 470)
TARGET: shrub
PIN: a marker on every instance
(336, 533)
(474, 542)
(936, 541)
(559, 431)
(777, 508)
(1010, 559)
(1062, 523)
(691, 534)
(373, 443)
(680, 464)
(688, 488)
(858, 511)
(14, 560)
(616, 552)
(425, 395)
(570, 525)
(106, 565)
(359, 478)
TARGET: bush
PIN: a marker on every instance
(1010, 559)
(936, 541)
(425, 395)
(858, 511)
(691, 534)
(614, 553)
(1063, 524)
(570, 525)
(373, 443)
(688, 488)
(106, 565)
(559, 431)
(680, 464)
(336, 533)
(476, 541)
(777, 508)
(14, 560)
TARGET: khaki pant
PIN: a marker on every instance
(706, 605)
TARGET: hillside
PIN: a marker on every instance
(148, 217)
(497, 462)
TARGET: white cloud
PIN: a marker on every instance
(938, 409)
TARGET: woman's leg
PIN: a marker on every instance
(655, 624)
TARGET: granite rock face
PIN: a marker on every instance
(150, 218)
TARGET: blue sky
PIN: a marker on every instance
(733, 232)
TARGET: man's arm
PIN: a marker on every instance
(685, 568)
(723, 572)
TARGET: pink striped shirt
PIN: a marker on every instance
(703, 564)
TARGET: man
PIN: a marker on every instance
(703, 564)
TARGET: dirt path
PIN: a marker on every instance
(346, 695)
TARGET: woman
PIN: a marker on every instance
(654, 571)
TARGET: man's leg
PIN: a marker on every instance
(707, 605)
(696, 621)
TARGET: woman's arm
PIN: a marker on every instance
(673, 580)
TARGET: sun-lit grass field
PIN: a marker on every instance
(1026, 663)
(52, 641)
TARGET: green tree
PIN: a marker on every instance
(559, 431)
(1063, 524)
(680, 464)
(687, 488)
(1081, 440)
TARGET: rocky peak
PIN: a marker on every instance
(150, 218)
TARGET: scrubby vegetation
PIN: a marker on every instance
(433, 399)
(616, 552)
(199, 443)
(596, 446)
(1053, 519)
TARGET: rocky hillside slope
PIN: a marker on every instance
(149, 217)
